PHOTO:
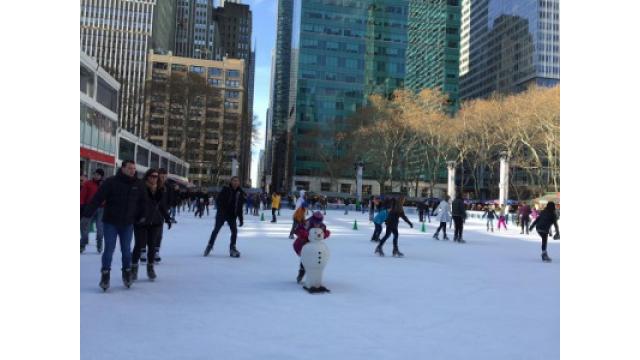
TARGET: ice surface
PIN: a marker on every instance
(491, 298)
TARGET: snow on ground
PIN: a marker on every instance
(491, 298)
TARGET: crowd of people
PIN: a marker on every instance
(125, 208)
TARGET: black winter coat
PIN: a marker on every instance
(458, 209)
(544, 221)
(124, 198)
(172, 197)
(156, 210)
(393, 219)
(230, 202)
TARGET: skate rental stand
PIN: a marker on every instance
(314, 256)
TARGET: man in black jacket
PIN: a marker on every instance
(229, 205)
(124, 196)
(458, 213)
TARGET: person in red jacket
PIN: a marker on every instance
(87, 191)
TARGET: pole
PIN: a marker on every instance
(504, 178)
(451, 184)
(359, 169)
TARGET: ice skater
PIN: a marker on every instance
(378, 220)
(298, 219)
(502, 219)
(525, 218)
(543, 224)
(444, 215)
(490, 214)
(393, 219)
(229, 204)
(459, 215)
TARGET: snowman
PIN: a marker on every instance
(314, 257)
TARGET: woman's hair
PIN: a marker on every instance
(148, 173)
(551, 207)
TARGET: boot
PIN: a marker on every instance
(156, 258)
(435, 236)
(105, 276)
(134, 272)
(143, 255)
(233, 252)
(397, 252)
(208, 249)
(545, 257)
(379, 251)
(99, 247)
(151, 274)
(301, 273)
(126, 277)
(445, 237)
(461, 241)
(82, 248)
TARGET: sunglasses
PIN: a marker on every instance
(154, 176)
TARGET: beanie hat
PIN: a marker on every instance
(99, 172)
(318, 216)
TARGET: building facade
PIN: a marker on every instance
(117, 33)
(164, 26)
(196, 34)
(206, 125)
(346, 51)
(509, 45)
(433, 52)
(98, 117)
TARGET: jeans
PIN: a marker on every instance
(85, 224)
(524, 223)
(489, 223)
(457, 221)
(220, 220)
(173, 212)
(544, 237)
(111, 233)
(273, 214)
(390, 230)
(377, 232)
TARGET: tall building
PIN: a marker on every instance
(509, 45)
(433, 52)
(196, 31)
(164, 26)
(346, 50)
(279, 98)
(211, 136)
(234, 27)
(117, 33)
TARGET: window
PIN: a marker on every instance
(164, 163)
(142, 156)
(232, 94)
(107, 96)
(178, 67)
(302, 185)
(233, 73)
(325, 186)
(215, 72)
(86, 81)
(126, 149)
(155, 161)
(160, 66)
(345, 188)
(197, 69)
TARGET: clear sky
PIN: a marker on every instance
(264, 37)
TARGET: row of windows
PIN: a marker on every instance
(128, 150)
(96, 130)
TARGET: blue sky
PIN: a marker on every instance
(264, 35)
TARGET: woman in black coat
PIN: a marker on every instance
(393, 219)
(543, 224)
(149, 230)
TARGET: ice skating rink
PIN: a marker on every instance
(491, 298)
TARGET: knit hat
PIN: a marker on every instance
(99, 172)
(318, 216)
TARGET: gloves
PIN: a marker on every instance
(411, 226)
(556, 236)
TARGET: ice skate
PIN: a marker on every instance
(134, 272)
(233, 252)
(379, 251)
(207, 250)
(105, 279)
(300, 276)
(545, 257)
(151, 274)
(126, 277)
(397, 253)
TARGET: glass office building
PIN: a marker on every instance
(434, 47)
(508, 45)
(347, 50)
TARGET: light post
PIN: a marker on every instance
(234, 164)
(451, 183)
(504, 177)
(359, 167)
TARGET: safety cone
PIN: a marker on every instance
(262, 217)
(355, 224)
(424, 228)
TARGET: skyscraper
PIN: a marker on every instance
(117, 34)
(164, 25)
(347, 50)
(434, 47)
(509, 45)
(196, 30)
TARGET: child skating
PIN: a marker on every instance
(543, 223)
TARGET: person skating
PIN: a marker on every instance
(346, 206)
(87, 191)
(149, 231)
(298, 219)
(373, 203)
(459, 215)
(378, 220)
(392, 222)
(543, 223)
(490, 214)
(444, 215)
(275, 205)
(229, 204)
(124, 198)
(525, 218)
(502, 218)
(200, 203)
